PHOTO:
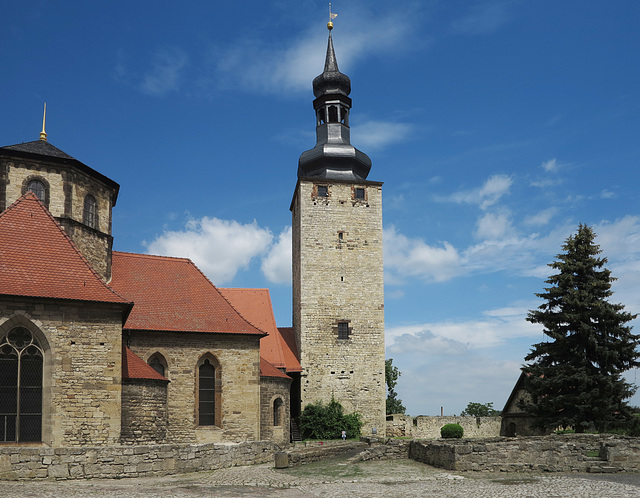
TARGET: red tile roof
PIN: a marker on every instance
(172, 294)
(38, 259)
(255, 306)
(269, 370)
(134, 367)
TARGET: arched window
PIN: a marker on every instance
(206, 393)
(39, 188)
(90, 214)
(278, 406)
(21, 365)
(158, 363)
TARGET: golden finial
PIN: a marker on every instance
(332, 16)
(43, 134)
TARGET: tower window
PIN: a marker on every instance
(359, 193)
(343, 330)
(206, 393)
(90, 214)
(333, 114)
(340, 236)
(38, 188)
(323, 191)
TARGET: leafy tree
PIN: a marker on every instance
(480, 410)
(320, 421)
(575, 379)
(391, 374)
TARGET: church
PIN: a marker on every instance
(100, 347)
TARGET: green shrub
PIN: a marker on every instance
(320, 421)
(452, 431)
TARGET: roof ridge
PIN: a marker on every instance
(229, 302)
(30, 196)
(151, 256)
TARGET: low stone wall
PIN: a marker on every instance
(312, 451)
(28, 462)
(423, 427)
(567, 453)
(391, 449)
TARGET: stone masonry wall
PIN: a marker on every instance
(145, 414)
(67, 190)
(239, 359)
(568, 453)
(423, 427)
(82, 366)
(18, 462)
(338, 277)
(272, 388)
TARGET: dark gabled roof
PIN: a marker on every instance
(41, 149)
(38, 259)
(172, 294)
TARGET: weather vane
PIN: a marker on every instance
(332, 16)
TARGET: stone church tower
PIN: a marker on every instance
(338, 297)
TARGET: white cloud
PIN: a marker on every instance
(378, 134)
(412, 257)
(550, 165)
(540, 218)
(493, 226)
(276, 266)
(491, 192)
(483, 18)
(256, 66)
(220, 248)
(166, 72)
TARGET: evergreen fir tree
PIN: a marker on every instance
(575, 379)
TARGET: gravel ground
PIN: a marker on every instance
(339, 478)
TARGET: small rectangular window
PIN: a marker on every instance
(343, 330)
(323, 191)
(360, 193)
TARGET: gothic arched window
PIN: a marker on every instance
(158, 363)
(90, 214)
(206, 393)
(21, 365)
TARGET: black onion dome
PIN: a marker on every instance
(331, 81)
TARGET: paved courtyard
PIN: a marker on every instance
(339, 478)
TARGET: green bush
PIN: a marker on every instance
(452, 431)
(320, 421)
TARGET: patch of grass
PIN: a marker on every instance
(593, 453)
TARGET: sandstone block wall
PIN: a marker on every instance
(272, 388)
(82, 345)
(568, 453)
(239, 360)
(423, 427)
(127, 461)
(145, 414)
(338, 277)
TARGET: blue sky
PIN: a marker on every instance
(496, 127)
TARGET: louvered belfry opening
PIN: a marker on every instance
(21, 365)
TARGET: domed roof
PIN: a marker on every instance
(331, 81)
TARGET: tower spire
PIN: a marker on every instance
(43, 134)
(333, 156)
